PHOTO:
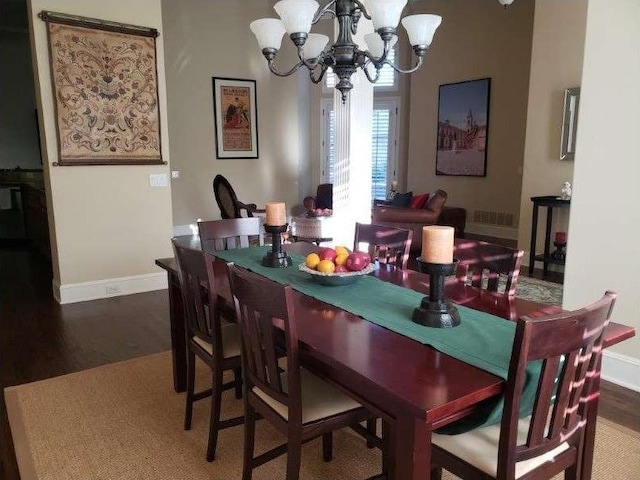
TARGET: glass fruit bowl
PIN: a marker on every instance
(334, 279)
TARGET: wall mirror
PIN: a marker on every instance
(569, 123)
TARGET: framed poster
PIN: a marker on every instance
(236, 119)
(463, 127)
(105, 89)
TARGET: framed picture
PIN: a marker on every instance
(105, 90)
(236, 119)
(463, 128)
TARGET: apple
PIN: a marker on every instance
(341, 269)
(327, 253)
(366, 256)
(356, 262)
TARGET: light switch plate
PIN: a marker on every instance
(158, 180)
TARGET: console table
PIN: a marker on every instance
(551, 202)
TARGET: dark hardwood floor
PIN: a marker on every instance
(41, 339)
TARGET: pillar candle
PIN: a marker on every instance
(276, 214)
(437, 244)
(561, 237)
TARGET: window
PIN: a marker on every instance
(383, 144)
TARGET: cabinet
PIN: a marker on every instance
(550, 202)
(36, 223)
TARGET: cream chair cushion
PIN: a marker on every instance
(319, 398)
(479, 447)
(230, 341)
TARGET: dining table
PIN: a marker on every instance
(414, 387)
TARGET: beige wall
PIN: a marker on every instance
(477, 39)
(556, 64)
(212, 39)
(605, 208)
(105, 221)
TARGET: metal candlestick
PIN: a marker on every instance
(276, 258)
(559, 253)
(434, 310)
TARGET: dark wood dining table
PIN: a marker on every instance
(412, 386)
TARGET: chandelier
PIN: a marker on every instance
(344, 57)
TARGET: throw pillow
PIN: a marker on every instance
(418, 200)
(402, 199)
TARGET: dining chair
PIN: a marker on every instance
(215, 343)
(298, 403)
(482, 262)
(568, 346)
(389, 245)
(228, 203)
(231, 233)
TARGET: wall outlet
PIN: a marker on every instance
(158, 180)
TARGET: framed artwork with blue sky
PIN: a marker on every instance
(463, 128)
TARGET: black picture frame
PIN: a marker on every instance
(463, 128)
(235, 117)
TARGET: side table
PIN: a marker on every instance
(551, 202)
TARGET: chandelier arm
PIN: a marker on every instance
(284, 74)
(400, 70)
(326, 9)
(363, 9)
(323, 70)
(366, 72)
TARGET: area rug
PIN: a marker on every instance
(539, 291)
(124, 421)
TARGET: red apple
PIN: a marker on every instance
(365, 255)
(341, 269)
(356, 262)
(327, 253)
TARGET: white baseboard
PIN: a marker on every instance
(491, 231)
(621, 370)
(112, 287)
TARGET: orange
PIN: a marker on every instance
(312, 260)
(326, 266)
(341, 258)
(342, 250)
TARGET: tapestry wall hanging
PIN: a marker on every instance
(236, 118)
(463, 126)
(105, 90)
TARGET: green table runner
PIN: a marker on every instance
(481, 339)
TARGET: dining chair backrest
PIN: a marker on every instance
(226, 234)
(568, 345)
(486, 262)
(264, 309)
(198, 298)
(228, 203)
(385, 244)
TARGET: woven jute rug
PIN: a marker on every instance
(124, 421)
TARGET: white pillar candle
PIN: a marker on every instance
(437, 244)
(276, 214)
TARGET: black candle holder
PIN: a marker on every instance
(276, 258)
(560, 252)
(434, 310)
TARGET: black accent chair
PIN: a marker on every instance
(228, 203)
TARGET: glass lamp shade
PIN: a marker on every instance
(505, 2)
(314, 45)
(385, 13)
(421, 28)
(268, 32)
(375, 44)
(296, 15)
